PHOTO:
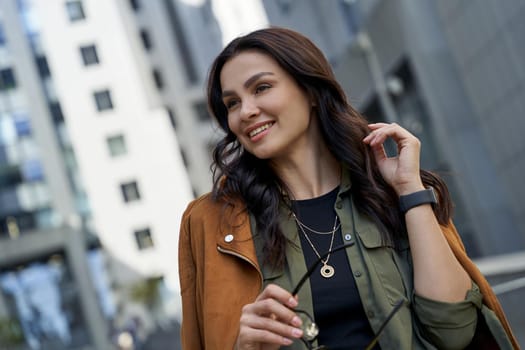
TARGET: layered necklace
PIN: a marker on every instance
(327, 271)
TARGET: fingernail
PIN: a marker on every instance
(287, 341)
(292, 302)
(297, 333)
(296, 321)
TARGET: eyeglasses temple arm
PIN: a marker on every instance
(396, 308)
(316, 263)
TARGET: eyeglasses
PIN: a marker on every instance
(310, 328)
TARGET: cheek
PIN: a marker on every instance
(233, 124)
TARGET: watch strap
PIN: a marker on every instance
(418, 198)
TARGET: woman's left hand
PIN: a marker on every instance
(402, 171)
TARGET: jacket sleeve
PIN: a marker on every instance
(449, 325)
(491, 303)
(191, 324)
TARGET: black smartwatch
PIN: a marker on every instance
(418, 198)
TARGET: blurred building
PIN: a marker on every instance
(89, 157)
(422, 55)
(452, 73)
(46, 251)
(176, 42)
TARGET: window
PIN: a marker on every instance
(184, 157)
(171, 115)
(103, 100)
(32, 170)
(146, 40)
(130, 191)
(7, 79)
(159, 81)
(56, 112)
(7, 132)
(284, 6)
(2, 35)
(116, 145)
(22, 124)
(135, 4)
(202, 111)
(75, 11)
(20, 222)
(43, 67)
(89, 55)
(9, 176)
(144, 239)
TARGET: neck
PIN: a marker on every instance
(309, 174)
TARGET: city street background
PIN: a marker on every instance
(105, 138)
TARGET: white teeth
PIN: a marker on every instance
(259, 129)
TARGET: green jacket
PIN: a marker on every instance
(383, 275)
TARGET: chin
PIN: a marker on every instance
(262, 153)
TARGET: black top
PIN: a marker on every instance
(338, 310)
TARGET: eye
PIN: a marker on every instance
(231, 103)
(261, 88)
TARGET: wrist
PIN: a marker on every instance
(409, 188)
(417, 198)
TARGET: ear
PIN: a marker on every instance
(312, 99)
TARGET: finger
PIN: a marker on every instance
(379, 152)
(374, 126)
(272, 309)
(261, 336)
(278, 293)
(268, 324)
(381, 132)
(373, 134)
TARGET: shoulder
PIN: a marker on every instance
(207, 211)
(204, 209)
(199, 221)
(201, 206)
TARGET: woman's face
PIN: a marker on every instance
(267, 110)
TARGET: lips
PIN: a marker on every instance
(258, 129)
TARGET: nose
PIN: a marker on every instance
(249, 109)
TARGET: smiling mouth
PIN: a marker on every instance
(259, 129)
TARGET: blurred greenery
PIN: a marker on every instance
(147, 291)
(10, 332)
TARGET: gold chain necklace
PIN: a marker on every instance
(300, 223)
(327, 271)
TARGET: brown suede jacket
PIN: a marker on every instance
(220, 273)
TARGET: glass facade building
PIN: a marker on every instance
(49, 261)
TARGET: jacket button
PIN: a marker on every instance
(228, 238)
(348, 237)
(357, 274)
(370, 314)
(339, 205)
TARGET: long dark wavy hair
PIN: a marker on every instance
(240, 175)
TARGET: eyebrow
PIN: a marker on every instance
(247, 83)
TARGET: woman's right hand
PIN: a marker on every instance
(269, 322)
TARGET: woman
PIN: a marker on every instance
(298, 173)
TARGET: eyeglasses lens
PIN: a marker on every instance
(310, 329)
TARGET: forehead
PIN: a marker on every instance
(246, 64)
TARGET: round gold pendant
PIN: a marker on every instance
(327, 271)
